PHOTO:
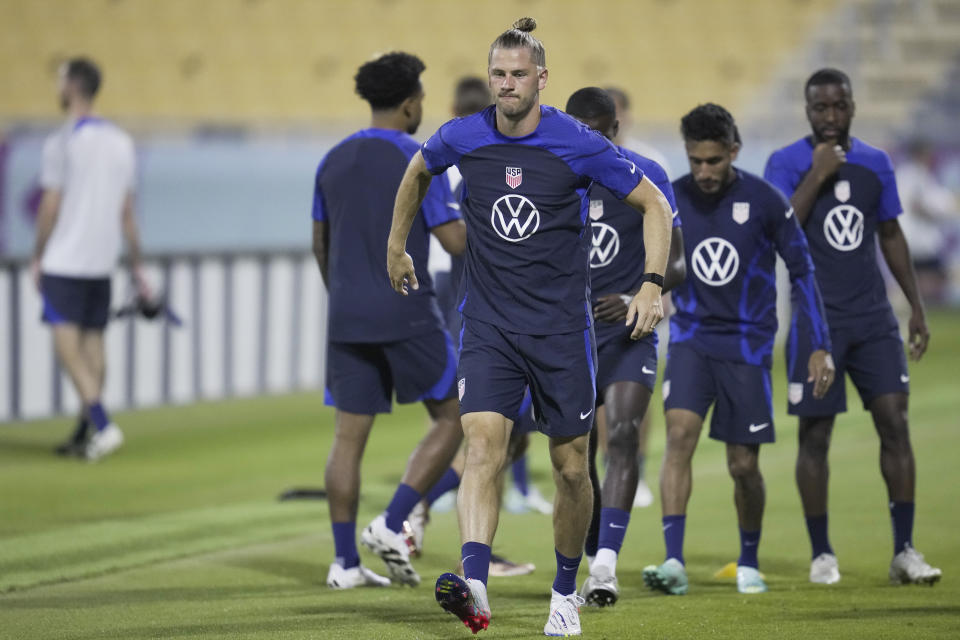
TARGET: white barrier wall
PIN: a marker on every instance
(252, 323)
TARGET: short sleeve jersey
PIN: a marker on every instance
(726, 308)
(92, 163)
(842, 225)
(354, 192)
(617, 255)
(525, 201)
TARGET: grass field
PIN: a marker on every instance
(180, 534)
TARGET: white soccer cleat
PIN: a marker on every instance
(564, 617)
(643, 497)
(824, 569)
(536, 502)
(909, 567)
(414, 527)
(358, 576)
(750, 581)
(600, 589)
(104, 442)
(392, 549)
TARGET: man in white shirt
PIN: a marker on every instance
(88, 182)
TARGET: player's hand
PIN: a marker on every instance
(35, 272)
(611, 308)
(141, 284)
(827, 158)
(821, 371)
(401, 271)
(646, 309)
(919, 334)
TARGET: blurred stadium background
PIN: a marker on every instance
(232, 103)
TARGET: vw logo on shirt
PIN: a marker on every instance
(514, 218)
(715, 261)
(843, 227)
(606, 244)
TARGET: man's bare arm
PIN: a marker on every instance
(321, 243)
(646, 307)
(46, 220)
(677, 263)
(827, 158)
(897, 254)
(131, 236)
(410, 195)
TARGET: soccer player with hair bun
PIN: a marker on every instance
(527, 319)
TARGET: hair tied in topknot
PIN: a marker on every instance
(525, 24)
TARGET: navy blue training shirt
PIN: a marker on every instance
(525, 202)
(842, 225)
(617, 255)
(727, 307)
(354, 192)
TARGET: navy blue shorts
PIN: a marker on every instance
(624, 360)
(84, 302)
(526, 421)
(740, 393)
(496, 365)
(361, 377)
(871, 354)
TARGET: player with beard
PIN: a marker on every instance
(844, 194)
(526, 310)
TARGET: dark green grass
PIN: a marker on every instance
(180, 535)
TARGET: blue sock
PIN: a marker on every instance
(449, 480)
(613, 526)
(476, 561)
(345, 544)
(566, 581)
(749, 541)
(519, 471)
(98, 416)
(901, 516)
(404, 500)
(817, 528)
(673, 527)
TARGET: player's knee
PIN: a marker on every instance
(572, 473)
(623, 438)
(681, 440)
(743, 467)
(482, 450)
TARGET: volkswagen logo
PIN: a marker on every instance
(715, 261)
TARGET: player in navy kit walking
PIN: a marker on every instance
(627, 368)
(844, 195)
(378, 342)
(721, 337)
(527, 169)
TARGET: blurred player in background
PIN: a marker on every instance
(844, 194)
(526, 314)
(721, 337)
(378, 342)
(88, 178)
(627, 369)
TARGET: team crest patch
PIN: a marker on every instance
(461, 387)
(741, 212)
(514, 177)
(596, 209)
(842, 190)
(795, 392)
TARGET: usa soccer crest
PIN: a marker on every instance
(741, 212)
(514, 177)
(795, 392)
(842, 190)
(596, 209)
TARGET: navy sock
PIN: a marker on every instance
(566, 581)
(749, 541)
(345, 544)
(519, 471)
(404, 500)
(449, 480)
(901, 516)
(673, 527)
(613, 526)
(98, 416)
(817, 528)
(476, 561)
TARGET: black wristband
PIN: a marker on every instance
(655, 278)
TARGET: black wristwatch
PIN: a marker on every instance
(655, 278)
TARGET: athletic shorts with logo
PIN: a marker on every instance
(624, 360)
(362, 377)
(84, 302)
(740, 394)
(497, 365)
(871, 353)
